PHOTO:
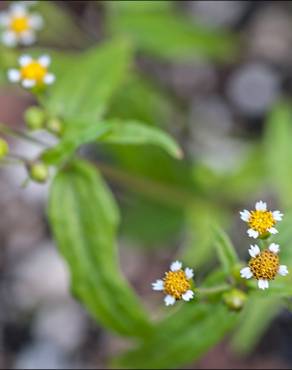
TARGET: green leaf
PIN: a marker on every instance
(160, 31)
(181, 338)
(278, 150)
(111, 131)
(86, 82)
(84, 219)
(225, 249)
(136, 133)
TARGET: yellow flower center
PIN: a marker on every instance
(261, 221)
(176, 283)
(265, 265)
(34, 71)
(19, 24)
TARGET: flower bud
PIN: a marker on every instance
(35, 118)
(38, 171)
(234, 299)
(4, 148)
(55, 126)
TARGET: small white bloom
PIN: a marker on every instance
(175, 266)
(275, 248)
(253, 233)
(246, 273)
(176, 284)
(158, 285)
(254, 250)
(245, 215)
(283, 270)
(261, 206)
(263, 284)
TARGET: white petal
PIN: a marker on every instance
(24, 60)
(245, 215)
(188, 295)
(254, 250)
(27, 83)
(253, 233)
(9, 38)
(275, 248)
(158, 285)
(277, 215)
(263, 284)
(18, 9)
(246, 273)
(49, 78)
(175, 266)
(27, 37)
(169, 300)
(13, 75)
(261, 206)
(272, 230)
(283, 270)
(36, 21)
(4, 19)
(45, 60)
(189, 273)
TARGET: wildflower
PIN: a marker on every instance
(176, 284)
(264, 265)
(32, 72)
(19, 25)
(261, 221)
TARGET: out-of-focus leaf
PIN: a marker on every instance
(278, 151)
(255, 318)
(181, 338)
(84, 219)
(86, 82)
(111, 131)
(225, 249)
(161, 32)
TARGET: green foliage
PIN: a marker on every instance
(84, 219)
(181, 338)
(154, 28)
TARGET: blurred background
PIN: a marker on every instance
(223, 106)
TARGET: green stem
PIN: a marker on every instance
(213, 290)
(22, 135)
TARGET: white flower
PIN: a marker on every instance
(264, 265)
(32, 72)
(18, 25)
(176, 284)
(261, 221)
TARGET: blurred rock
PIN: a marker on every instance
(253, 88)
(41, 355)
(41, 276)
(269, 35)
(218, 13)
(63, 323)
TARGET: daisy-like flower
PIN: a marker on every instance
(176, 284)
(32, 72)
(264, 265)
(261, 221)
(19, 26)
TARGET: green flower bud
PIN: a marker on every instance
(234, 299)
(55, 126)
(35, 118)
(4, 148)
(38, 171)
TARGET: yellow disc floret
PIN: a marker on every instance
(19, 24)
(265, 265)
(261, 221)
(34, 71)
(176, 283)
